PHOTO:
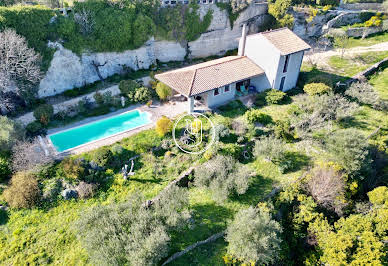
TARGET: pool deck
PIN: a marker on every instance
(170, 109)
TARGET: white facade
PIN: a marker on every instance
(268, 57)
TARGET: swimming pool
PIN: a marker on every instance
(77, 136)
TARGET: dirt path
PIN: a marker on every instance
(322, 58)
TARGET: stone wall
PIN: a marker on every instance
(363, 6)
(69, 70)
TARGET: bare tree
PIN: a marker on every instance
(28, 155)
(327, 187)
(85, 20)
(341, 41)
(18, 62)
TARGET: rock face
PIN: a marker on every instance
(69, 70)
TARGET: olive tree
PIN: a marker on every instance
(10, 133)
(224, 177)
(131, 233)
(253, 237)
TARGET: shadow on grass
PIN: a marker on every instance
(296, 160)
(3, 217)
(305, 76)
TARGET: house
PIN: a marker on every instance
(270, 59)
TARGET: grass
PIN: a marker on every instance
(350, 65)
(380, 82)
(370, 40)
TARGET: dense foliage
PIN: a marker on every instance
(44, 113)
(316, 88)
(163, 126)
(163, 90)
(10, 132)
(254, 237)
(130, 233)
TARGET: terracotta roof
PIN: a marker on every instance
(285, 41)
(209, 75)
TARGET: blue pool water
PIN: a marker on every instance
(100, 129)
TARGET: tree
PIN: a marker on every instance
(253, 237)
(130, 233)
(327, 187)
(18, 62)
(23, 191)
(10, 133)
(84, 19)
(224, 177)
(341, 41)
(270, 147)
(364, 93)
(163, 90)
(349, 147)
(278, 9)
(27, 155)
(44, 113)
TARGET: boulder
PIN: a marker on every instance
(69, 194)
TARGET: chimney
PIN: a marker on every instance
(241, 47)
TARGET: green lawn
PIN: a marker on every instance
(371, 40)
(350, 65)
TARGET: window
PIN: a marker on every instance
(173, 2)
(204, 1)
(216, 92)
(166, 2)
(210, 1)
(282, 83)
(286, 63)
(227, 88)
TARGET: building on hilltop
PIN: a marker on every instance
(270, 59)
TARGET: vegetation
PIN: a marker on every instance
(163, 90)
(23, 192)
(254, 237)
(316, 88)
(10, 132)
(163, 126)
(255, 115)
(273, 96)
(44, 113)
(278, 9)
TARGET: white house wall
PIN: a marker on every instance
(221, 98)
(264, 54)
(261, 83)
(293, 69)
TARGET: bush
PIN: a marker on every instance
(5, 169)
(44, 113)
(316, 88)
(86, 190)
(321, 79)
(283, 130)
(163, 90)
(128, 86)
(255, 115)
(34, 129)
(98, 98)
(73, 168)
(364, 93)
(143, 232)
(254, 237)
(142, 94)
(327, 187)
(103, 157)
(349, 148)
(10, 133)
(23, 191)
(271, 148)
(221, 131)
(224, 177)
(231, 149)
(163, 126)
(274, 96)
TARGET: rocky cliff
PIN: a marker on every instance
(69, 70)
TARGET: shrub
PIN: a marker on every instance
(34, 128)
(283, 130)
(321, 79)
(86, 190)
(128, 86)
(221, 131)
(254, 237)
(73, 168)
(10, 133)
(163, 126)
(231, 149)
(379, 196)
(25, 157)
(51, 189)
(364, 93)
(103, 157)
(44, 113)
(23, 191)
(274, 96)
(349, 148)
(142, 94)
(144, 232)
(255, 115)
(5, 170)
(224, 177)
(316, 88)
(98, 98)
(163, 90)
(271, 148)
(327, 187)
